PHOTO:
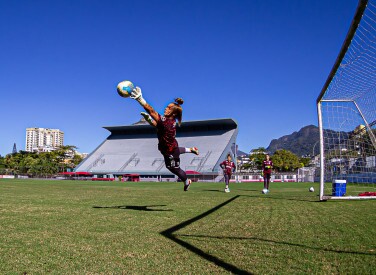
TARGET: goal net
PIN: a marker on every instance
(347, 114)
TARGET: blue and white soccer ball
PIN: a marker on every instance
(264, 191)
(125, 88)
(311, 189)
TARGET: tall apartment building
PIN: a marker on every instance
(43, 140)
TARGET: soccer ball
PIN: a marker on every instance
(264, 191)
(125, 88)
(311, 189)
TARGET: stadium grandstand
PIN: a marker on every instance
(133, 150)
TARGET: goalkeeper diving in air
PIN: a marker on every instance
(166, 132)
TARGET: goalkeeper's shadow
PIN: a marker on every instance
(136, 207)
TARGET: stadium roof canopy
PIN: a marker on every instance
(186, 127)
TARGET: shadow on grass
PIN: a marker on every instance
(250, 190)
(136, 207)
(169, 234)
(262, 196)
(278, 242)
(253, 190)
(222, 190)
(213, 190)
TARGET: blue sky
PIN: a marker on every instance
(260, 62)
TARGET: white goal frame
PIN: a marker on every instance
(338, 100)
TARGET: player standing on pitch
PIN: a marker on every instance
(267, 166)
(228, 167)
(166, 132)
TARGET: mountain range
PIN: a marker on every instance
(301, 143)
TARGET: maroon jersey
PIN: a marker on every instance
(166, 132)
(228, 167)
(267, 166)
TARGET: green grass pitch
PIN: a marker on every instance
(77, 227)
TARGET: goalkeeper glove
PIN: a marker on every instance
(147, 118)
(136, 94)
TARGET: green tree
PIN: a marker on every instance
(245, 166)
(43, 163)
(2, 165)
(285, 161)
(65, 152)
(66, 156)
(257, 157)
(12, 162)
(76, 160)
(304, 162)
(26, 163)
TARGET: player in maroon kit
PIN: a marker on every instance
(228, 167)
(166, 132)
(267, 166)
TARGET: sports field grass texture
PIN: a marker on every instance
(75, 227)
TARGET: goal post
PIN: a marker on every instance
(346, 110)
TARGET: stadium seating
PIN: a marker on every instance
(133, 149)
